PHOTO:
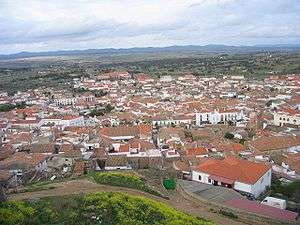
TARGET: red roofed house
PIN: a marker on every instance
(120, 133)
(241, 175)
(197, 152)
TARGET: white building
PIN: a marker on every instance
(241, 175)
(290, 117)
(66, 120)
(65, 101)
(166, 79)
(168, 121)
(214, 117)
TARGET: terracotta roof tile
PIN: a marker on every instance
(235, 169)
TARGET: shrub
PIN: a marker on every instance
(290, 191)
(6, 107)
(119, 179)
(15, 213)
(242, 141)
(169, 184)
(229, 135)
(228, 214)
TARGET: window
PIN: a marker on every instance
(209, 180)
(280, 118)
(200, 178)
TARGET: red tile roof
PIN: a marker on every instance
(196, 151)
(232, 147)
(275, 142)
(234, 169)
(136, 131)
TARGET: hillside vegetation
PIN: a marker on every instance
(124, 179)
(99, 208)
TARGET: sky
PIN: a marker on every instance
(48, 25)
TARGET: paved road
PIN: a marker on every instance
(210, 192)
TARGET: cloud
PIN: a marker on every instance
(37, 25)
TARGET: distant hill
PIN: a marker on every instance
(187, 49)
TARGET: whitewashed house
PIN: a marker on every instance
(241, 175)
(217, 116)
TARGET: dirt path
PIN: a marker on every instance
(179, 200)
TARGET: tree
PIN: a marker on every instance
(242, 141)
(269, 103)
(229, 135)
(6, 107)
(109, 108)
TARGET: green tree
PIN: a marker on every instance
(228, 135)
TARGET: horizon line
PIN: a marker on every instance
(149, 47)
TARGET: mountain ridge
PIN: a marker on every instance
(214, 48)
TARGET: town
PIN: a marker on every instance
(231, 140)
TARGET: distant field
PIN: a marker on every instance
(30, 73)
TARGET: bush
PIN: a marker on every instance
(229, 135)
(102, 111)
(290, 191)
(169, 184)
(242, 141)
(9, 107)
(119, 179)
(15, 213)
(6, 107)
(228, 214)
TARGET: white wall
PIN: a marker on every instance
(121, 137)
(204, 177)
(261, 185)
(281, 118)
(242, 187)
(216, 117)
(255, 189)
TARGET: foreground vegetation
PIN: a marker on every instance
(99, 208)
(289, 191)
(124, 179)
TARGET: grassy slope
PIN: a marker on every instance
(109, 208)
(123, 179)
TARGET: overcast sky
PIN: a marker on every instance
(43, 25)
